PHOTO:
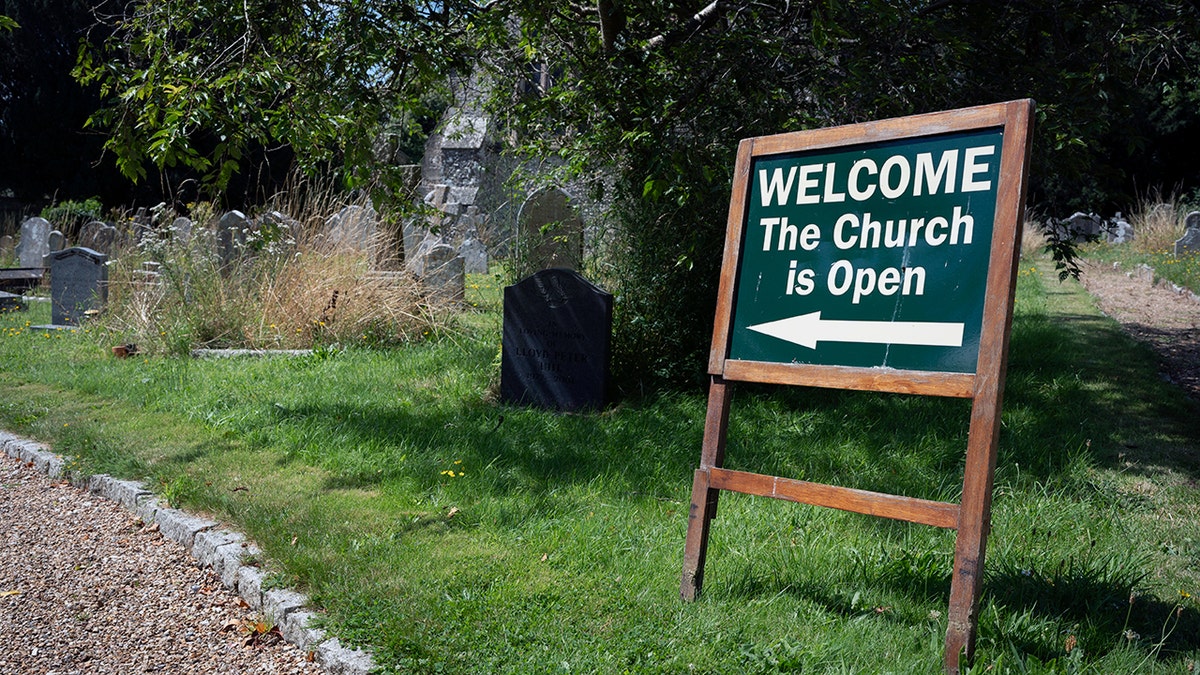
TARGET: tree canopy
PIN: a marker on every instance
(648, 98)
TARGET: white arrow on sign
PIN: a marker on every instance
(807, 330)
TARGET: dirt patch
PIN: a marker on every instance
(1157, 315)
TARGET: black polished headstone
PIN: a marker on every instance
(556, 342)
(78, 283)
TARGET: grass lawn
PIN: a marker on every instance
(450, 534)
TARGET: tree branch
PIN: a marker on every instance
(700, 21)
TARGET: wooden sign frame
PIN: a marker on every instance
(972, 517)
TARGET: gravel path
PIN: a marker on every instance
(86, 588)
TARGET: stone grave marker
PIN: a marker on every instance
(549, 233)
(98, 236)
(475, 256)
(1120, 231)
(11, 302)
(353, 227)
(231, 236)
(57, 241)
(1082, 226)
(443, 275)
(6, 248)
(556, 342)
(1189, 243)
(35, 242)
(181, 230)
(78, 283)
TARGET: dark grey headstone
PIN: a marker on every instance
(549, 233)
(556, 342)
(1189, 243)
(11, 302)
(443, 275)
(1084, 227)
(475, 256)
(57, 241)
(35, 242)
(78, 283)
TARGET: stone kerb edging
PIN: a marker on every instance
(1147, 274)
(225, 551)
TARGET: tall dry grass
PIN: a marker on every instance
(289, 287)
(1158, 222)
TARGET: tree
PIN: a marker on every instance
(199, 84)
(656, 94)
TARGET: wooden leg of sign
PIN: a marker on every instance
(704, 499)
(974, 521)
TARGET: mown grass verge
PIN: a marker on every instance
(451, 534)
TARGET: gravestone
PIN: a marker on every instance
(181, 230)
(11, 302)
(1083, 227)
(443, 275)
(1189, 243)
(98, 236)
(231, 237)
(1120, 231)
(57, 241)
(78, 283)
(556, 342)
(549, 233)
(35, 242)
(354, 227)
(6, 248)
(475, 256)
(419, 255)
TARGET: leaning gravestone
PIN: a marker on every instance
(57, 241)
(443, 275)
(35, 242)
(549, 233)
(556, 342)
(1189, 243)
(78, 283)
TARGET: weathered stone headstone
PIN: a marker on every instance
(6, 248)
(57, 241)
(353, 227)
(1084, 226)
(181, 230)
(556, 342)
(1119, 231)
(1189, 243)
(231, 237)
(35, 242)
(549, 233)
(475, 256)
(419, 255)
(98, 236)
(443, 275)
(78, 283)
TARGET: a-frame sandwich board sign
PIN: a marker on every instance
(879, 257)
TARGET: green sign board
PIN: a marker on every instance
(872, 256)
